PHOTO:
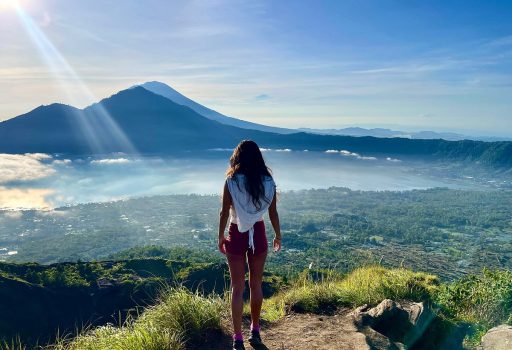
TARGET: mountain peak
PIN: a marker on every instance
(168, 92)
(160, 88)
(130, 94)
(156, 83)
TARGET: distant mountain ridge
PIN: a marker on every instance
(173, 95)
(136, 120)
(168, 92)
(382, 132)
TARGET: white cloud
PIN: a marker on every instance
(85, 181)
(52, 212)
(29, 198)
(38, 156)
(275, 150)
(349, 154)
(346, 153)
(62, 162)
(111, 161)
(28, 167)
(389, 159)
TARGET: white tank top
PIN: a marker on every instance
(243, 212)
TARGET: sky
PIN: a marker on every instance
(410, 65)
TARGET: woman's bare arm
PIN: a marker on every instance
(224, 215)
(274, 220)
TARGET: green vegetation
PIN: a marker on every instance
(38, 300)
(365, 285)
(445, 232)
(183, 319)
(174, 253)
(483, 301)
(89, 274)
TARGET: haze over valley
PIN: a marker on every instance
(153, 144)
(146, 144)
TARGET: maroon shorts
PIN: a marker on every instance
(238, 242)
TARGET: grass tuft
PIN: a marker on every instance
(366, 285)
(179, 319)
(15, 344)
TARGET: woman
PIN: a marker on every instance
(248, 192)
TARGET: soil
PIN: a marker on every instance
(304, 332)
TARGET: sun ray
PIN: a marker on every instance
(102, 133)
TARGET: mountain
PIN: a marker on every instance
(173, 95)
(131, 119)
(168, 92)
(136, 120)
(49, 129)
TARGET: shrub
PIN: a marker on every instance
(484, 300)
(181, 317)
(366, 285)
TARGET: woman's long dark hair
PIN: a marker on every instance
(248, 160)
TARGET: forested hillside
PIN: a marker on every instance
(446, 232)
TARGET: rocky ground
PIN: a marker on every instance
(387, 326)
(307, 332)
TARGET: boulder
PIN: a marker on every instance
(497, 338)
(404, 325)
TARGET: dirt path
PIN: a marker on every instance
(314, 332)
(306, 332)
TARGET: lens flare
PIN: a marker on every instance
(8, 4)
(99, 128)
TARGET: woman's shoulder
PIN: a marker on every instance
(268, 178)
(240, 176)
(234, 177)
(269, 181)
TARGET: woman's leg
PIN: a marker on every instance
(237, 272)
(256, 266)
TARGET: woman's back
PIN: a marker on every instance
(244, 211)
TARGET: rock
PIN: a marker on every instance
(385, 310)
(387, 319)
(420, 319)
(497, 338)
(403, 326)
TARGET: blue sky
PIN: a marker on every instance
(440, 65)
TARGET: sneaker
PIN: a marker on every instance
(238, 345)
(255, 338)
